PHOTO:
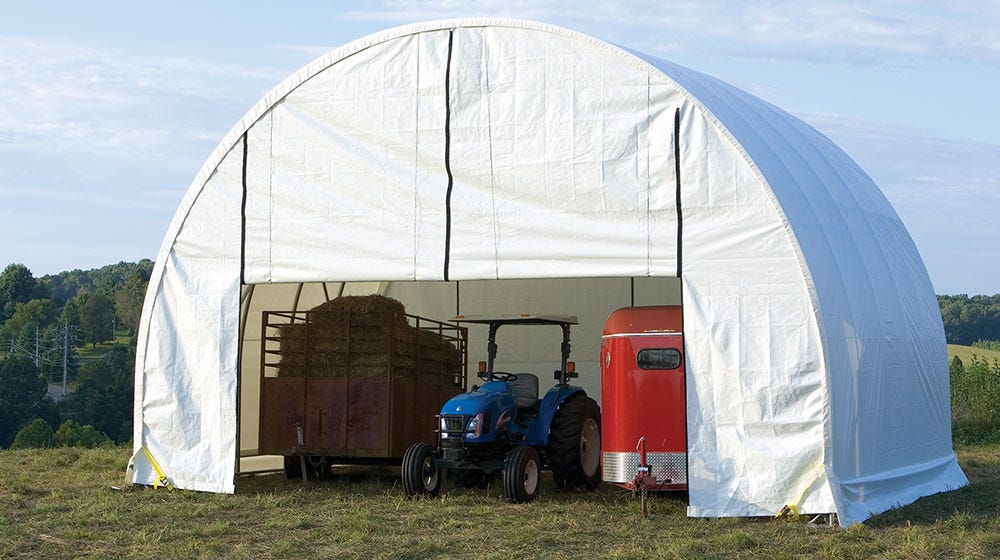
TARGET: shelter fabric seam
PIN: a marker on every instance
(677, 179)
(447, 155)
(243, 216)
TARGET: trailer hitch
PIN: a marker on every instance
(642, 483)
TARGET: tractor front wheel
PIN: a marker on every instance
(521, 471)
(420, 477)
(574, 450)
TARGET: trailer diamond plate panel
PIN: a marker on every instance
(621, 467)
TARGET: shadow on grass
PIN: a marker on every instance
(972, 504)
(358, 479)
(384, 481)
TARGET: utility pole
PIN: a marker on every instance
(65, 353)
(38, 361)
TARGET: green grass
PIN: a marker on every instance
(59, 503)
(91, 352)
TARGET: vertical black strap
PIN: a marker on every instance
(447, 157)
(677, 177)
(243, 217)
(243, 282)
(680, 253)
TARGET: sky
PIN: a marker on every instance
(108, 109)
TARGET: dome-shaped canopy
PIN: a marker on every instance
(495, 150)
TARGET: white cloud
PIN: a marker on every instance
(831, 31)
(85, 99)
(85, 128)
(946, 191)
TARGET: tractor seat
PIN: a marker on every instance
(525, 389)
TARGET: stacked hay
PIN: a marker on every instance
(366, 336)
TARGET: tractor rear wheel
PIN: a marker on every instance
(521, 474)
(420, 477)
(574, 450)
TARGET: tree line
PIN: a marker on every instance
(76, 327)
(80, 326)
(971, 320)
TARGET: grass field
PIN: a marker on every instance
(965, 353)
(59, 503)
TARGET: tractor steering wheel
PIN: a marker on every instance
(505, 376)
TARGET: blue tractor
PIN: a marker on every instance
(504, 427)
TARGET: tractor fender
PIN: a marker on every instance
(553, 399)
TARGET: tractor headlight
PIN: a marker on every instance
(443, 429)
(475, 426)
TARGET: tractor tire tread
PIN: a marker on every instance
(513, 474)
(563, 451)
(411, 471)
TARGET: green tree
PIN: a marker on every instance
(72, 434)
(17, 285)
(37, 314)
(97, 316)
(70, 315)
(129, 298)
(23, 396)
(108, 279)
(104, 393)
(36, 434)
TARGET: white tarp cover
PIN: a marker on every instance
(496, 149)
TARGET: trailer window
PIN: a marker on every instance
(659, 358)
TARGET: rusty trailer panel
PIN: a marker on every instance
(374, 411)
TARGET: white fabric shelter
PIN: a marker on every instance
(496, 150)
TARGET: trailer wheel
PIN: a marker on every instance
(574, 450)
(420, 477)
(318, 467)
(293, 468)
(521, 471)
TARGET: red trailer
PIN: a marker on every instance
(643, 425)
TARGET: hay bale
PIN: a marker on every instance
(357, 335)
(373, 309)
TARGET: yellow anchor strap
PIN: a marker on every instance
(161, 478)
(793, 507)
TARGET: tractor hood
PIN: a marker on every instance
(493, 396)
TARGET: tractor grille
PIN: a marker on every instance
(452, 437)
(622, 467)
(454, 426)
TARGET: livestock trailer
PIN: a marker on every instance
(643, 418)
